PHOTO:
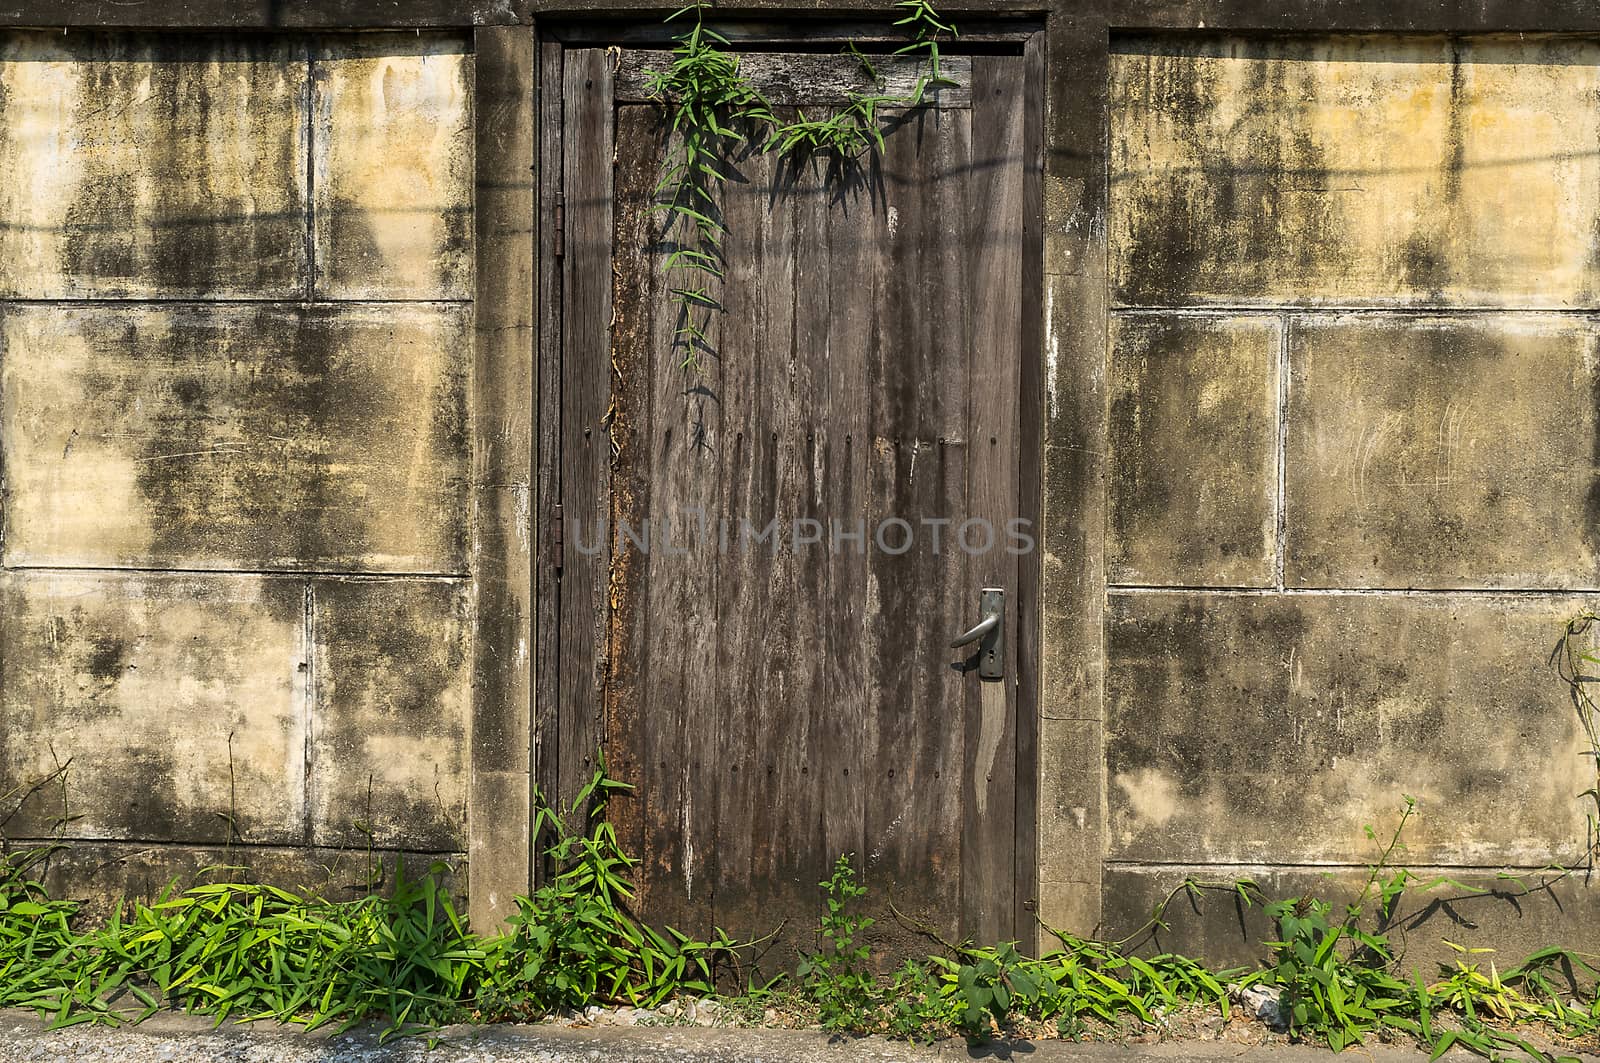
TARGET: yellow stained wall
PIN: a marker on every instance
(235, 332)
(1353, 493)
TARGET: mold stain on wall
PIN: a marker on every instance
(143, 166)
(235, 562)
(1412, 220)
(1354, 171)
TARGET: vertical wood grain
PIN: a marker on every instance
(585, 400)
(776, 707)
(918, 386)
(764, 823)
(988, 836)
(634, 341)
(1030, 473)
(547, 588)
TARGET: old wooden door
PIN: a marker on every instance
(827, 494)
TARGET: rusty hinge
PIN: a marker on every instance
(1028, 905)
(557, 540)
(561, 225)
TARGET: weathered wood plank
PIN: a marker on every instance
(798, 78)
(744, 586)
(635, 339)
(802, 407)
(920, 391)
(504, 394)
(680, 442)
(549, 448)
(988, 855)
(856, 227)
(1030, 477)
(812, 33)
(761, 787)
(585, 399)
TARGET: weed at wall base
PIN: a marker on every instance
(245, 951)
(248, 951)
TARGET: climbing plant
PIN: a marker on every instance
(1578, 662)
(717, 113)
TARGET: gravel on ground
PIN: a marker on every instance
(169, 1038)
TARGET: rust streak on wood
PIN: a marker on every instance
(632, 364)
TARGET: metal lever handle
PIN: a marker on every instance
(980, 629)
(990, 634)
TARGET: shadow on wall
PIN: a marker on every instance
(258, 474)
(1512, 917)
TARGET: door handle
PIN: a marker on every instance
(980, 629)
(989, 633)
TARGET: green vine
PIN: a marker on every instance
(716, 112)
(1575, 660)
(713, 107)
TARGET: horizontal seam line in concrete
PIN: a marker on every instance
(1278, 865)
(135, 845)
(178, 300)
(1353, 592)
(285, 573)
(1325, 309)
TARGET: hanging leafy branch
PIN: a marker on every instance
(712, 107)
(716, 112)
(925, 28)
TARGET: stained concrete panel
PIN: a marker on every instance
(1355, 170)
(1443, 452)
(1193, 451)
(1512, 916)
(175, 703)
(211, 437)
(393, 159)
(1071, 808)
(1262, 728)
(152, 166)
(389, 748)
(101, 875)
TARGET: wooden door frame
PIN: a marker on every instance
(1021, 37)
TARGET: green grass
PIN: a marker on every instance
(240, 951)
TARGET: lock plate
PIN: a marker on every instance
(992, 647)
(989, 633)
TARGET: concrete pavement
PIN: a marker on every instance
(184, 1039)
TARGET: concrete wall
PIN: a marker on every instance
(1352, 491)
(235, 347)
(1350, 456)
